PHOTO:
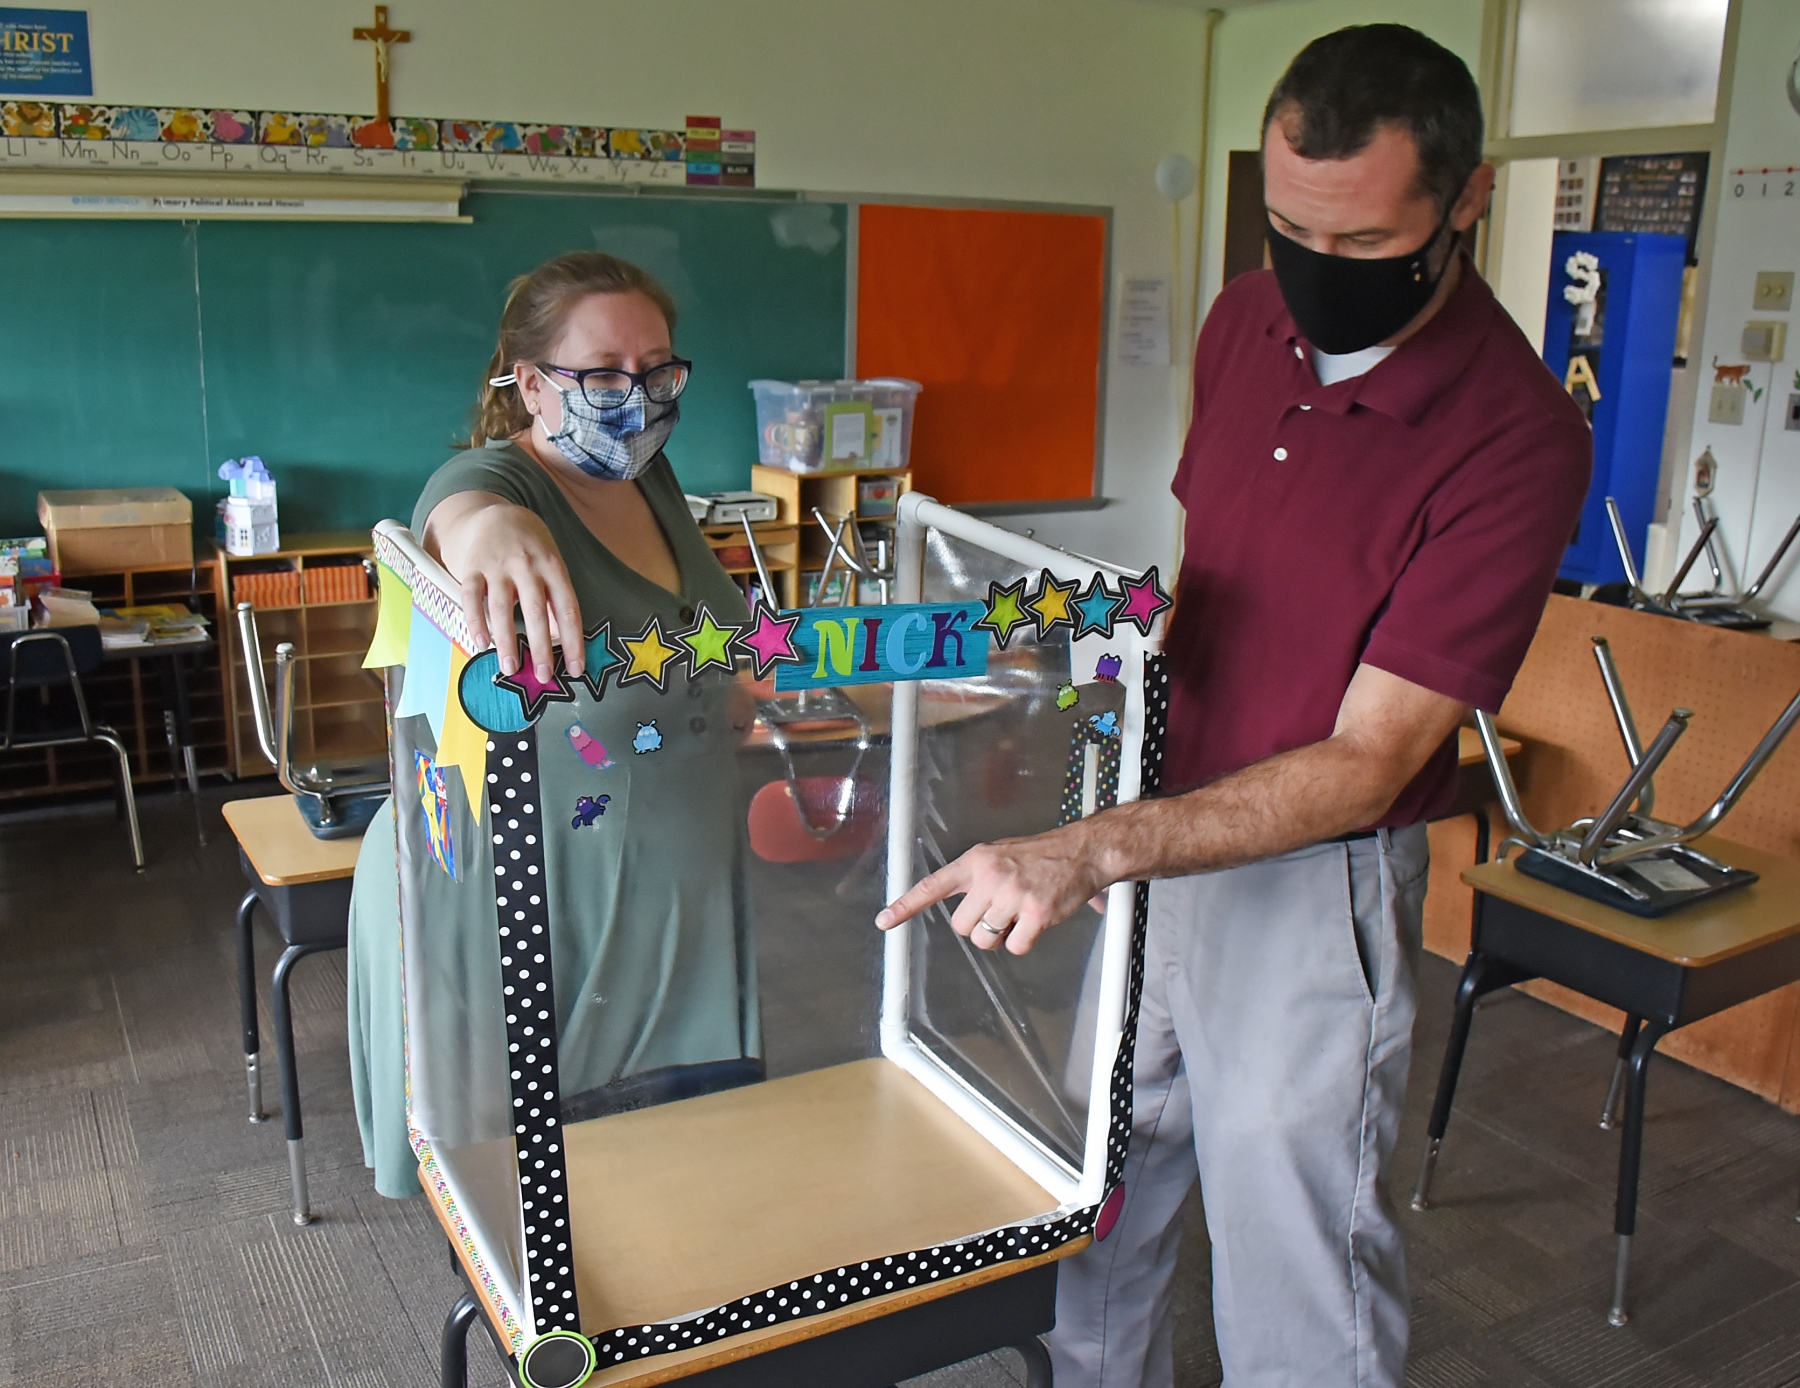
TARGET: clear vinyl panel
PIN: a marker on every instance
(456, 1082)
(691, 871)
(1033, 745)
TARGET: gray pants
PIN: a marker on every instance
(1272, 1049)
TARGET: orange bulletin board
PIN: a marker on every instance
(1000, 316)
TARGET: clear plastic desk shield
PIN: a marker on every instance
(666, 1080)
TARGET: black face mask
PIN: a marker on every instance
(1342, 304)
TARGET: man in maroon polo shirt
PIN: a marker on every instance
(1380, 480)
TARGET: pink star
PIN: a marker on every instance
(535, 693)
(770, 641)
(1144, 599)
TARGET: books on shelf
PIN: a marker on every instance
(154, 624)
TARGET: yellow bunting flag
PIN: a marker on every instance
(393, 623)
(463, 745)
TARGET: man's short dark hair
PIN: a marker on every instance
(1343, 86)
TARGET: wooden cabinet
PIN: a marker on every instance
(314, 593)
(131, 695)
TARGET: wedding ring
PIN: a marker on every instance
(992, 929)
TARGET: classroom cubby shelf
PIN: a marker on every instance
(836, 494)
(339, 708)
(130, 696)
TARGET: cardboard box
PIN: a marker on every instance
(117, 528)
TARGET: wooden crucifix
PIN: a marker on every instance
(381, 36)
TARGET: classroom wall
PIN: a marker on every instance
(1757, 494)
(1067, 101)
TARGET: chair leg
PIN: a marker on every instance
(246, 952)
(453, 1344)
(290, 1074)
(1480, 975)
(1609, 1111)
(1630, 1150)
(131, 814)
(1038, 1372)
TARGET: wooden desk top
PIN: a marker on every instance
(937, 706)
(282, 849)
(692, 1204)
(1702, 934)
(1469, 752)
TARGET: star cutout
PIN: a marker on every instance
(1143, 600)
(709, 642)
(533, 692)
(1051, 605)
(599, 660)
(770, 641)
(1096, 609)
(1005, 611)
(648, 657)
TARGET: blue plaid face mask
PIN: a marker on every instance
(614, 444)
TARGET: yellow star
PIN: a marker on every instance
(648, 656)
(709, 642)
(1051, 605)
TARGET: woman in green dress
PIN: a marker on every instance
(564, 513)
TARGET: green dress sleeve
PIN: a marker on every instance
(655, 966)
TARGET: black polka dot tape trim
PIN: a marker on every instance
(521, 901)
(829, 1291)
(1156, 728)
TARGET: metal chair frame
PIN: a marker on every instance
(91, 731)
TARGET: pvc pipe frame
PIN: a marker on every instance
(1072, 1189)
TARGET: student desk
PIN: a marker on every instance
(683, 1205)
(1474, 785)
(168, 656)
(1663, 974)
(303, 883)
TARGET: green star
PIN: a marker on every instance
(1005, 610)
(709, 642)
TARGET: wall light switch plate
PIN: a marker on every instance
(1793, 413)
(1727, 405)
(1774, 291)
(1764, 340)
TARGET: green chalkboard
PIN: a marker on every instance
(348, 355)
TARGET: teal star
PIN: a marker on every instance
(1098, 608)
(598, 659)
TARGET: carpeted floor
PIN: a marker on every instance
(144, 1235)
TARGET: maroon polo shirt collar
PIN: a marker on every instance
(1428, 363)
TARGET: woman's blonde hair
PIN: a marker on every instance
(537, 308)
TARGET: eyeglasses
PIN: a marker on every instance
(608, 387)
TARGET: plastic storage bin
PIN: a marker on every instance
(792, 418)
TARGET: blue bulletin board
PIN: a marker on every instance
(1621, 381)
(45, 53)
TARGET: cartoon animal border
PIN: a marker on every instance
(1729, 375)
(319, 130)
(655, 655)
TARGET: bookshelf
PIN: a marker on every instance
(836, 494)
(130, 695)
(310, 592)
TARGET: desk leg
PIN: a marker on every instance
(184, 730)
(1609, 1111)
(1038, 1373)
(1480, 975)
(1630, 1148)
(246, 952)
(290, 1073)
(453, 1344)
